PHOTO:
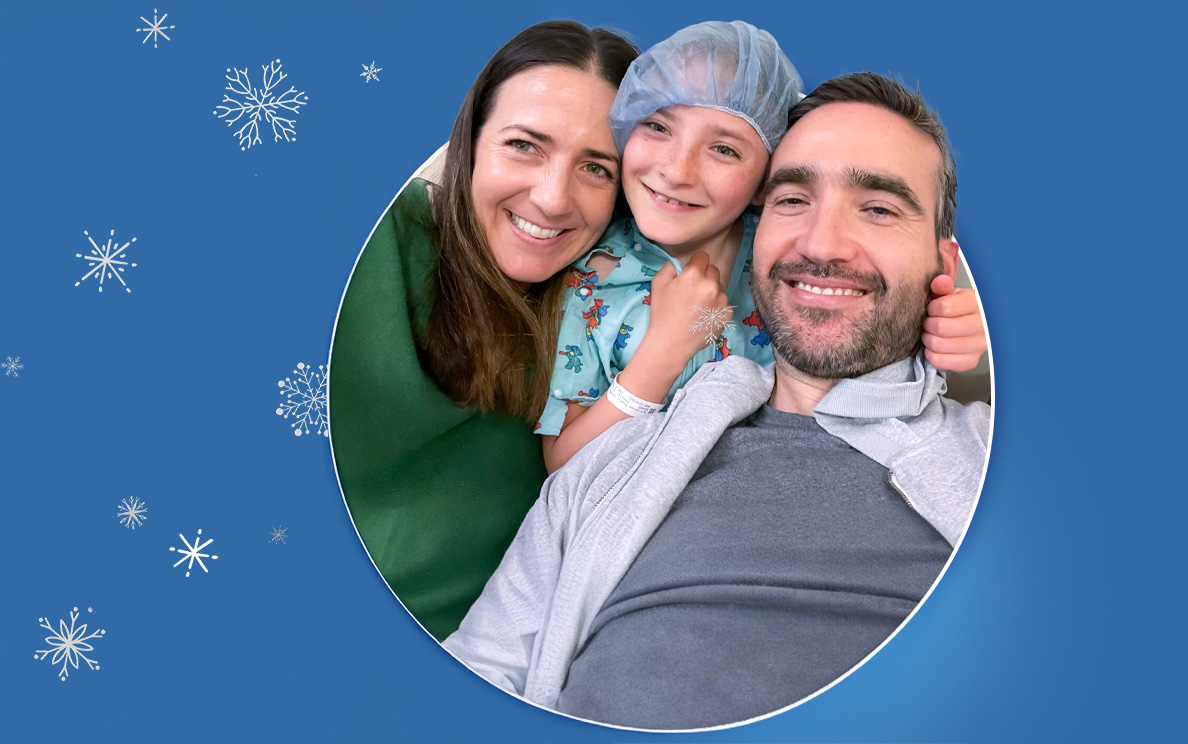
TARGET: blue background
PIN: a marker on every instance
(1059, 619)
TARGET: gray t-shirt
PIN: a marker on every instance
(785, 561)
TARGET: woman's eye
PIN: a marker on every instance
(655, 126)
(599, 170)
(519, 144)
(726, 150)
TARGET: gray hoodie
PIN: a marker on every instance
(595, 515)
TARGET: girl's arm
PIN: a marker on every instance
(662, 355)
(954, 337)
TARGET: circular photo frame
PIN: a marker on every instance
(653, 583)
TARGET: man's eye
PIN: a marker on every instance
(881, 211)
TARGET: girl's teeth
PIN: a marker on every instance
(830, 290)
(666, 200)
(534, 230)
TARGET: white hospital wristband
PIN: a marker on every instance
(629, 404)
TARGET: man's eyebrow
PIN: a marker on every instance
(546, 139)
(867, 181)
(804, 175)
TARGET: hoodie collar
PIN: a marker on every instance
(902, 388)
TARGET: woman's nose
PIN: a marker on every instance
(553, 194)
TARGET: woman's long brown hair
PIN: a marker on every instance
(489, 343)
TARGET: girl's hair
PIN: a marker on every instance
(732, 67)
(489, 343)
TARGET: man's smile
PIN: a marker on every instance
(815, 289)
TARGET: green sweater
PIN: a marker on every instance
(436, 491)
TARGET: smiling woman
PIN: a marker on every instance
(452, 309)
(545, 171)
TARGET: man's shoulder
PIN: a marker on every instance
(719, 394)
(901, 407)
(977, 415)
(733, 370)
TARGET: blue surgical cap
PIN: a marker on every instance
(732, 67)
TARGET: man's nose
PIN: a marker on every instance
(827, 235)
(553, 193)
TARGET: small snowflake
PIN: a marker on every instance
(105, 260)
(369, 73)
(261, 103)
(305, 399)
(13, 367)
(132, 513)
(191, 552)
(712, 321)
(68, 644)
(154, 28)
(278, 535)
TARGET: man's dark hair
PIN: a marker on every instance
(893, 95)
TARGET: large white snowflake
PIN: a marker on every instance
(191, 552)
(68, 644)
(278, 535)
(154, 28)
(12, 367)
(369, 73)
(712, 321)
(261, 103)
(132, 513)
(105, 261)
(305, 400)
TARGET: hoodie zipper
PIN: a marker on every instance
(635, 466)
(902, 493)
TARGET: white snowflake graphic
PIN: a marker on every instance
(278, 535)
(104, 261)
(305, 400)
(132, 513)
(13, 367)
(68, 644)
(154, 28)
(712, 321)
(260, 103)
(191, 552)
(369, 73)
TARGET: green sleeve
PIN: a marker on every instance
(437, 492)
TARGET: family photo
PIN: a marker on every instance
(637, 392)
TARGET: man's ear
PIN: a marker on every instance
(948, 252)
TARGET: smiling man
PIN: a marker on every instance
(771, 529)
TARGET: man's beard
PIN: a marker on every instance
(887, 332)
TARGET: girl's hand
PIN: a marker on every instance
(954, 337)
(675, 298)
